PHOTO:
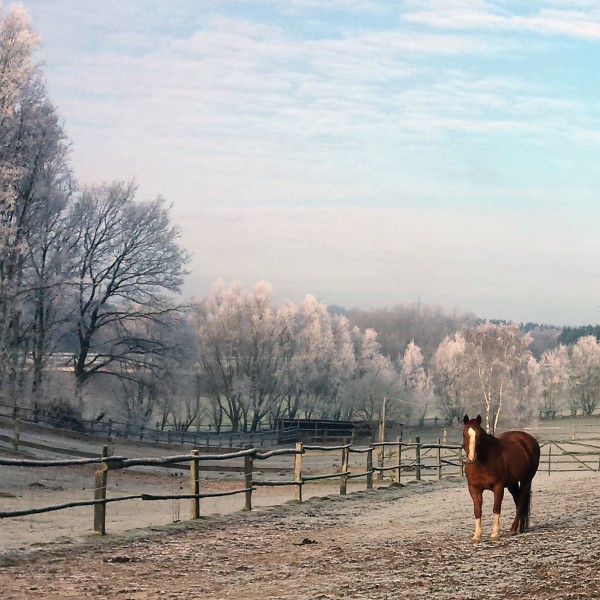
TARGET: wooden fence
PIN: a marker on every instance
(409, 453)
(422, 460)
(569, 456)
(394, 460)
(116, 429)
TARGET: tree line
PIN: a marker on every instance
(261, 363)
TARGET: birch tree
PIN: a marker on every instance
(494, 355)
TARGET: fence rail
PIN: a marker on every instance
(299, 475)
(110, 428)
(570, 456)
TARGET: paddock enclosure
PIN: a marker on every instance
(296, 468)
(402, 529)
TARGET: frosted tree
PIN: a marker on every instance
(32, 167)
(291, 387)
(525, 397)
(311, 363)
(323, 360)
(242, 351)
(451, 377)
(181, 391)
(374, 378)
(554, 372)
(49, 269)
(585, 373)
(495, 354)
(397, 326)
(415, 385)
(343, 368)
(218, 323)
(158, 382)
(267, 332)
(129, 265)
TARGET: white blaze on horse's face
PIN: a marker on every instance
(471, 451)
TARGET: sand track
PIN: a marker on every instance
(401, 542)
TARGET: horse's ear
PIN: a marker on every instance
(478, 419)
(466, 419)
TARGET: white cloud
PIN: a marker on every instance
(474, 15)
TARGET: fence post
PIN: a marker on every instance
(17, 435)
(399, 469)
(381, 460)
(195, 484)
(100, 482)
(370, 467)
(248, 465)
(439, 458)
(344, 469)
(418, 457)
(549, 456)
(298, 472)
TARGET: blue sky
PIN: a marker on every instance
(367, 152)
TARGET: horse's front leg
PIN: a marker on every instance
(498, 496)
(477, 497)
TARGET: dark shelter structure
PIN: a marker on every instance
(320, 431)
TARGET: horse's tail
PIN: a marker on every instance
(525, 507)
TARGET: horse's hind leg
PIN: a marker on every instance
(515, 492)
(524, 506)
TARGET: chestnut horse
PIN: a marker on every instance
(494, 463)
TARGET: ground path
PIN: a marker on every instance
(402, 542)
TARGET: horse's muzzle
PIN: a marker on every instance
(470, 461)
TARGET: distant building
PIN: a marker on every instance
(321, 431)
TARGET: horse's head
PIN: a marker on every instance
(471, 433)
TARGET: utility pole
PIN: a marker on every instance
(381, 436)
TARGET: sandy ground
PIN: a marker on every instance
(401, 542)
(24, 488)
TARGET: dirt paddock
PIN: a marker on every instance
(400, 542)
